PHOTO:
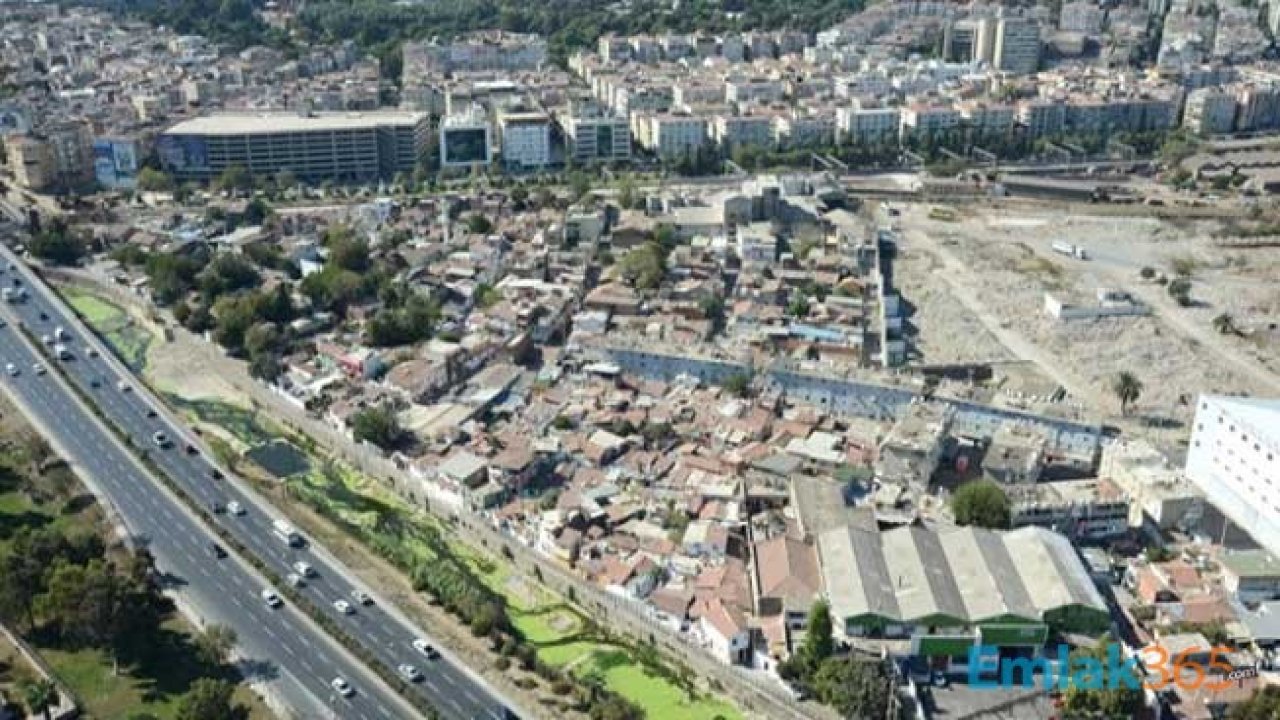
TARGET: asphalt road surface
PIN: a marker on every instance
(296, 647)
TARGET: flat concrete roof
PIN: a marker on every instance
(281, 122)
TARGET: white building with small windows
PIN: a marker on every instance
(1234, 457)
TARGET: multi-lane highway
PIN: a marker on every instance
(184, 547)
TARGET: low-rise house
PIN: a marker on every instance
(786, 579)
(1251, 575)
(726, 631)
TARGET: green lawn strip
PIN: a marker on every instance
(154, 686)
(388, 524)
(246, 426)
(127, 339)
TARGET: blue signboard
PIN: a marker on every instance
(183, 152)
(115, 162)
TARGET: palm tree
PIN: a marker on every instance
(1127, 388)
(41, 696)
(1225, 324)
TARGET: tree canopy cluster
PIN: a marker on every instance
(982, 503)
(855, 687)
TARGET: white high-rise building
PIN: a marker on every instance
(1234, 458)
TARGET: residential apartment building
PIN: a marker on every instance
(323, 146)
(1042, 118)
(985, 119)
(922, 121)
(1016, 45)
(1234, 457)
(671, 136)
(867, 125)
(60, 155)
(740, 130)
(484, 51)
(1209, 111)
(1082, 510)
(594, 137)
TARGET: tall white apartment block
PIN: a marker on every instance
(1234, 457)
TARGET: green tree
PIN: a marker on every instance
(644, 266)
(215, 644)
(57, 244)
(286, 179)
(377, 425)
(1105, 704)
(981, 503)
(152, 180)
(579, 185)
(819, 643)
(349, 253)
(233, 316)
(479, 224)
(738, 384)
(256, 211)
(627, 196)
(856, 688)
(208, 699)
(798, 307)
(1127, 388)
(228, 272)
(235, 177)
(1263, 704)
(40, 697)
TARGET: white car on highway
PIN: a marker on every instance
(38, 369)
(409, 672)
(361, 597)
(342, 687)
(11, 369)
(304, 569)
(425, 648)
(270, 597)
(344, 607)
(235, 508)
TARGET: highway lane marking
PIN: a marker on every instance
(454, 702)
(446, 678)
(471, 697)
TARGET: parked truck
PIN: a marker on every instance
(1070, 250)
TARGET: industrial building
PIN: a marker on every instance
(1234, 457)
(314, 146)
(946, 590)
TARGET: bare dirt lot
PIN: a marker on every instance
(997, 264)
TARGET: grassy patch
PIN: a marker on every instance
(153, 686)
(246, 426)
(128, 340)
